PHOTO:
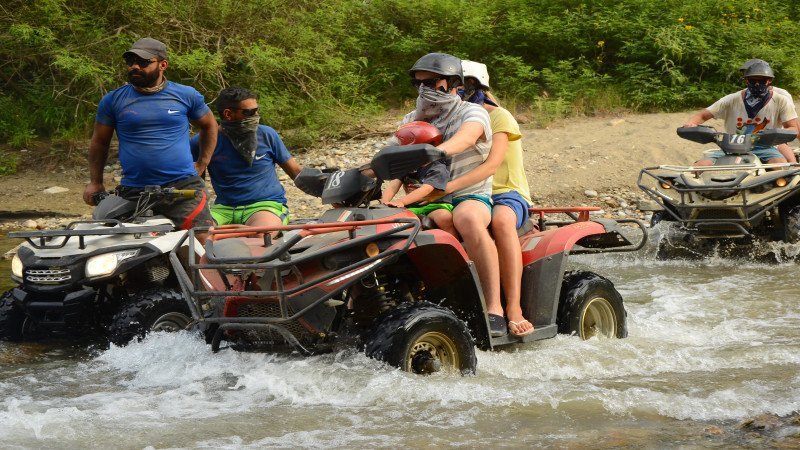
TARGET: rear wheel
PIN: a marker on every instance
(590, 306)
(423, 338)
(14, 323)
(152, 310)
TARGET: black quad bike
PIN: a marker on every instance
(737, 201)
(372, 276)
(109, 276)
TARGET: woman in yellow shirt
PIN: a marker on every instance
(510, 191)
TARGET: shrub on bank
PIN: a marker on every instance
(323, 67)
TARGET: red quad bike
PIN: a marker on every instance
(373, 277)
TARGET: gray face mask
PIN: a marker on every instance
(243, 136)
(435, 106)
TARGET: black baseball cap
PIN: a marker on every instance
(148, 48)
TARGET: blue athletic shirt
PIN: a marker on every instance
(236, 183)
(153, 132)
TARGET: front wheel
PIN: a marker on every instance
(589, 306)
(423, 338)
(791, 225)
(152, 310)
(14, 323)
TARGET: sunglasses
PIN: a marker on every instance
(429, 83)
(141, 62)
(248, 112)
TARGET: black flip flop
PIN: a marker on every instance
(497, 325)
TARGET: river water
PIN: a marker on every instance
(710, 344)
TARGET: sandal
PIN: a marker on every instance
(516, 326)
(497, 325)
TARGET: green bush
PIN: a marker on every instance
(324, 67)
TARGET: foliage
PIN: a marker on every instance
(322, 67)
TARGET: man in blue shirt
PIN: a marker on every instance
(151, 117)
(242, 167)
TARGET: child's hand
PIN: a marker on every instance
(395, 204)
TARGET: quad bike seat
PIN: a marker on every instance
(429, 224)
(227, 248)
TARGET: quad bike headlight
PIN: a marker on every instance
(16, 266)
(665, 185)
(781, 182)
(107, 263)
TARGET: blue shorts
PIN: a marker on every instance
(480, 198)
(763, 153)
(514, 200)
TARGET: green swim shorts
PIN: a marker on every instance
(225, 215)
(424, 210)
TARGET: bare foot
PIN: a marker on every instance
(520, 327)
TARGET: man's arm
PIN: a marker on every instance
(465, 137)
(208, 141)
(785, 150)
(699, 118)
(291, 167)
(98, 155)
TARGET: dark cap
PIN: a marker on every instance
(148, 48)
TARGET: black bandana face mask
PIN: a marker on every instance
(757, 88)
(243, 136)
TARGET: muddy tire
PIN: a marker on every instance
(423, 338)
(791, 225)
(13, 321)
(589, 306)
(152, 310)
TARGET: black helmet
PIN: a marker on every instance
(759, 69)
(746, 65)
(441, 63)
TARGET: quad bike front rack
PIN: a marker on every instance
(751, 211)
(275, 261)
(43, 239)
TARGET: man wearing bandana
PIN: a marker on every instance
(750, 111)
(151, 117)
(467, 135)
(242, 167)
(785, 150)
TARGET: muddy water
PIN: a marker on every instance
(711, 344)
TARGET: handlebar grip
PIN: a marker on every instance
(185, 193)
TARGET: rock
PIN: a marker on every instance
(762, 422)
(712, 430)
(611, 202)
(55, 190)
(30, 224)
(616, 122)
(590, 193)
(522, 119)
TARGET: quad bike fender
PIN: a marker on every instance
(451, 278)
(549, 243)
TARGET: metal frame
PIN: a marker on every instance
(759, 209)
(277, 261)
(116, 228)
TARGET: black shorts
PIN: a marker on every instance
(184, 212)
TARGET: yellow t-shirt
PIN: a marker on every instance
(510, 176)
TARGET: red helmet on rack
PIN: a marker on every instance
(418, 133)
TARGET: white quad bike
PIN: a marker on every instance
(109, 276)
(736, 201)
